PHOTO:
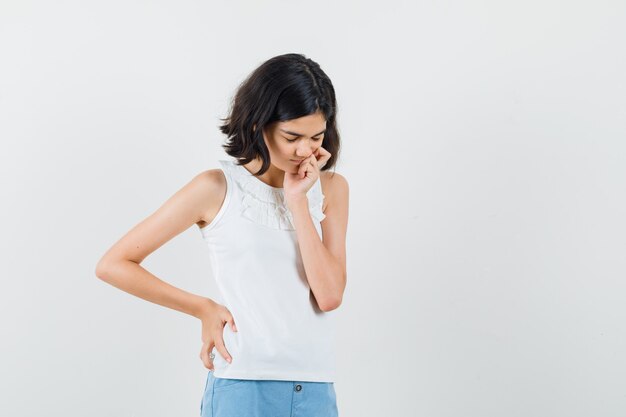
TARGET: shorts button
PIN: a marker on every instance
(298, 387)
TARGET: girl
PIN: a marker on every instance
(275, 223)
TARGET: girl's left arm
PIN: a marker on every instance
(324, 260)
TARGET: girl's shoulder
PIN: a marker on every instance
(333, 185)
(212, 186)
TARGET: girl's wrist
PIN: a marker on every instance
(205, 307)
(295, 200)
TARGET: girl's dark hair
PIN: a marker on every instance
(284, 87)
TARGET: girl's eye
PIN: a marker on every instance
(293, 140)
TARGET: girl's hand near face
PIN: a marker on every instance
(298, 184)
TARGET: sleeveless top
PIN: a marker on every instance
(256, 262)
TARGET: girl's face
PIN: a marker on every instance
(291, 141)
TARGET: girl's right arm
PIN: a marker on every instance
(120, 265)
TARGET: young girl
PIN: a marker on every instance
(275, 223)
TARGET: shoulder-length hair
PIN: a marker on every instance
(284, 87)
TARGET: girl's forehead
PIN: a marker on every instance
(311, 121)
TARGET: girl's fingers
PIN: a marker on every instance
(303, 166)
(231, 320)
(219, 344)
(204, 355)
(232, 324)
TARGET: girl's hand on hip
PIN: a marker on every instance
(213, 323)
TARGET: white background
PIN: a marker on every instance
(484, 145)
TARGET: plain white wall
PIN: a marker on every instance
(484, 144)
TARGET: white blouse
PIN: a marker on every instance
(256, 262)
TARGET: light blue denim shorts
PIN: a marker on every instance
(227, 397)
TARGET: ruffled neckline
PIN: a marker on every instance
(264, 204)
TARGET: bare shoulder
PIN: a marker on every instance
(212, 184)
(211, 180)
(334, 187)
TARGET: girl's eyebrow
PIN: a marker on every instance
(299, 134)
